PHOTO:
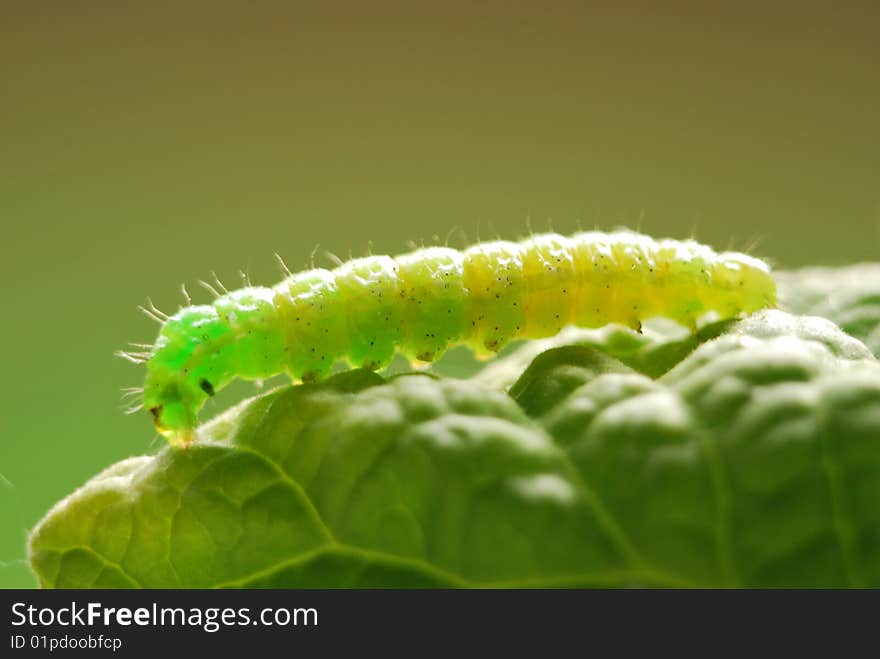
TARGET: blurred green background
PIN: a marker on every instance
(144, 146)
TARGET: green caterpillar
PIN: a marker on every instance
(426, 301)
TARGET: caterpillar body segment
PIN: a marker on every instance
(423, 302)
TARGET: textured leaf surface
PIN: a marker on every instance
(747, 455)
(848, 296)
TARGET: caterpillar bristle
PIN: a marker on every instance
(158, 312)
(133, 409)
(186, 294)
(134, 358)
(131, 392)
(219, 283)
(156, 437)
(213, 291)
(752, 246)
(149, 314)
(311, 263)
(284, 269)
(246, 278)
(142, 346)
(449, 236)
(334, 259)
(639, 220)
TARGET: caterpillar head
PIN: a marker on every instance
(182, 370)
(173, 407)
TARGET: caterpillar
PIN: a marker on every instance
(423, 302)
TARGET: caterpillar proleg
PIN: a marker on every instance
(421, 303)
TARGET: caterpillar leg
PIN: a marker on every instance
(483, 355)
(635, 325)
(420, 364)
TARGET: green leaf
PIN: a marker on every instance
(848, 296)
(745, 455)
(415, 482)
(754, 462)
